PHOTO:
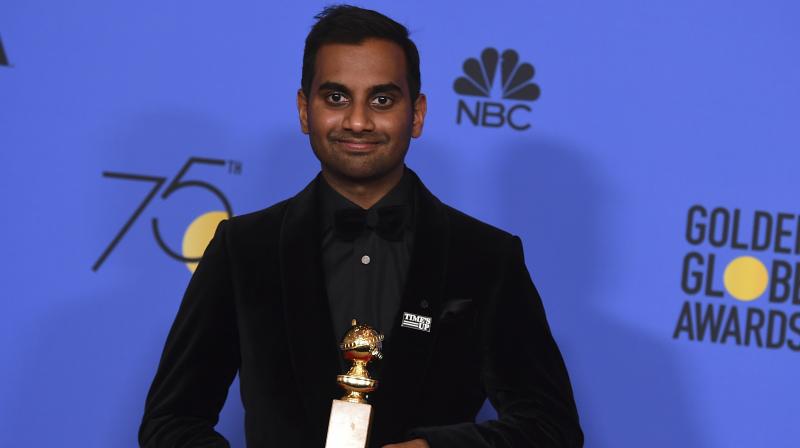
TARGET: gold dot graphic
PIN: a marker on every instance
(746, 278)
(198, 235)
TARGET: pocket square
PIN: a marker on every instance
(454, 307)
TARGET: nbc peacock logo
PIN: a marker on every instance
(479, 81)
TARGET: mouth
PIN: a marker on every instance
(358, 145)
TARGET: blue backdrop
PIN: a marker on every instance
(653, 182)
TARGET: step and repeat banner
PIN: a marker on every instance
(646, 153)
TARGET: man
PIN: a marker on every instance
(276, 289)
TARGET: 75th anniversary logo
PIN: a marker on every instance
(199, 232)
(741, 278)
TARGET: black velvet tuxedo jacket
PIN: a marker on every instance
(257, 306)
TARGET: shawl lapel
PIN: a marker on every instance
(311, 339)
(408, 351)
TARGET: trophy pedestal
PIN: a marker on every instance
(349, 425)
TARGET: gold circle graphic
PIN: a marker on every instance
(199, 234)
(746, 278)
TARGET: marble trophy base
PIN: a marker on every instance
(349, 425)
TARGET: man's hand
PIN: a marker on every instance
(416, 443)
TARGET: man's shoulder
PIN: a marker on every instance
(472, 231)
(260, 223)
(268, 221)
(476, 247)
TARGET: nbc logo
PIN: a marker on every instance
(515, 84)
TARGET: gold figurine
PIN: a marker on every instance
(351, 416)
(361, 343)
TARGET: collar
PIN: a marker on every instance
(330, 201)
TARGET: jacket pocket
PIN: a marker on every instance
(454, 308)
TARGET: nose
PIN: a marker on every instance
(358, 118)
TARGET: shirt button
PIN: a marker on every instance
(365, 259)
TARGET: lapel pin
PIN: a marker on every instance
(417, 322)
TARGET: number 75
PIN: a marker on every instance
(177, 183)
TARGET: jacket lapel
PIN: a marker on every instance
(309, 329)
(408, 351)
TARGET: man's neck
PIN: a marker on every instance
(364, 194)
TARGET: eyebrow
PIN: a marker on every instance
(389, 87)
(385, 88)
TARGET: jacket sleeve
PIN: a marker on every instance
(522, 372)
(199, 362)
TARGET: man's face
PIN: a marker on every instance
(359, 115)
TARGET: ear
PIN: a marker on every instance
(420, 108)
(302, 110)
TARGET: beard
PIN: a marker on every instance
(359, 166)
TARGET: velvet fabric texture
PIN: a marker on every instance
(257, 305)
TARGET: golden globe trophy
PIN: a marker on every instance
(351, 415)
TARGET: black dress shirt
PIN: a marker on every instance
(365, 276)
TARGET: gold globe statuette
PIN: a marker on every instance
(351, 415)
(360, 344)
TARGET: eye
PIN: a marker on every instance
(336, 98)
(382, 101)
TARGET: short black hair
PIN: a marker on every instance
(347, 24)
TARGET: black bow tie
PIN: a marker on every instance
(388, 222)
